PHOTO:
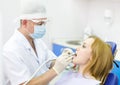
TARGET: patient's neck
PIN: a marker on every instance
(81, 69)
(87, 74)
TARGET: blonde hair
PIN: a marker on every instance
(102, 60)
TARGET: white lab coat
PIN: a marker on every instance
(20, 60)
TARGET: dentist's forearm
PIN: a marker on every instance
(43, 79)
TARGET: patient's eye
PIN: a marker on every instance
(83, 46)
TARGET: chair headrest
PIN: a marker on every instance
(113, 49)
(113, 46)
(112, 79)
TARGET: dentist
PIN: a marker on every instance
(24, 52)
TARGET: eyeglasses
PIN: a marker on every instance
(40, 22)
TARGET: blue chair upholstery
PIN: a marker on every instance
(116, 70)
(113, 77)
(113, 46)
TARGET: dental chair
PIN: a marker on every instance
(112, 78)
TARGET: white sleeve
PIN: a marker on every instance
(14, 68)
(51, 55)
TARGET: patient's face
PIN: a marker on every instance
(84, 52)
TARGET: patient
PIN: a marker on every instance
(94, 60)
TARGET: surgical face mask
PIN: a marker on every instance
(39, 31)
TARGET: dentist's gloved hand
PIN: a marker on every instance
(63, 60)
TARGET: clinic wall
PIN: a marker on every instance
(1, 75)
(10, 10)
(67, 18)
(97, 21)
